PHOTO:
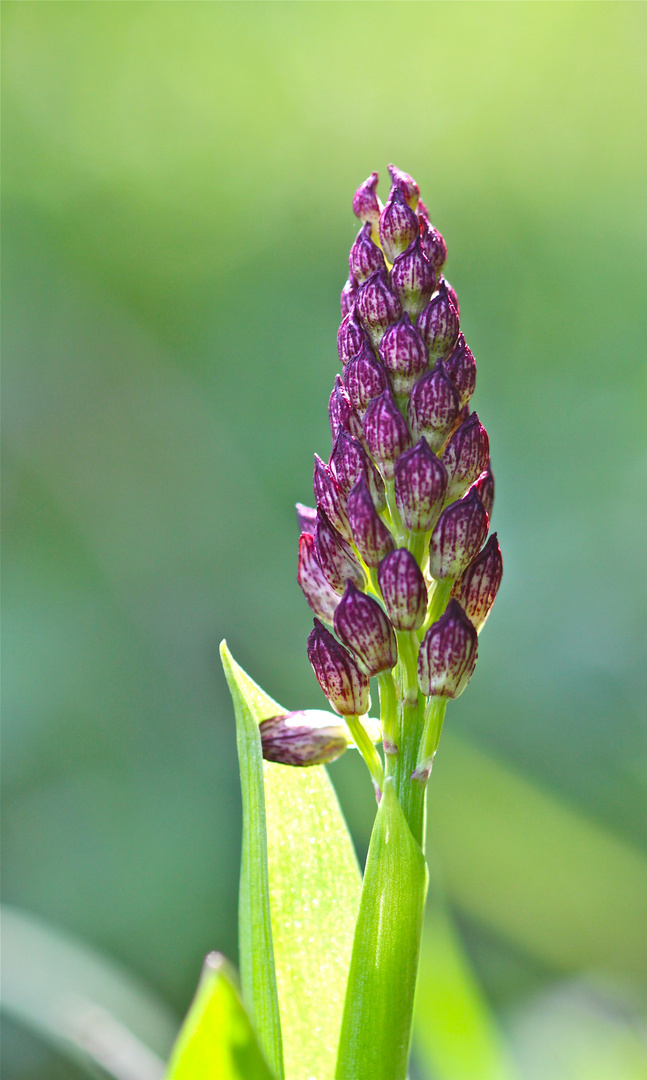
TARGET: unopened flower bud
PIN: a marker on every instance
(348, 461)
(305, 737)
(457, 536)
(340, 678)
(365, 257)
(335, 556)
(386, 432)
(451, 294)
(341, 413)
(350, 336)
(477, 587)
(372, 538)
(438, 324)
(404, 354)
(347, 298)
(306, 518)
(485, 487)
(434, 407)
(315, 585)
(447, 656)
(433, 245)
(364, 378)
(399, 225)
(461, 368)
(466, 456)
(364, 628)
(403, 589)
(377, 306)
(413, 279)
(329, 497)
(407, 184)
(366, 205)
(420, 486)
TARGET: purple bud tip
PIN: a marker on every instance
(366, 205)
(403, 589)
(386, 431)
(420, 486)
(329, 497)
(302, 738)
(451, 294)
(438, 324)
(461, 368)
(365, 257)
(377, 306)
(404, 354)
(485, 487)
(363, 626)
(364, 378)
(347, 298)
(341, 680)
(315, 585)
(406, 183)
(458, 535)
(399, 225)
(434, 407)
(350, 336)
(434, 247)
(466, 456)
(341, 413)
(306, 518)
(372, 538)
(447, 656)
(413, 278)
(335, 556)
(476, 589)
(348, 461)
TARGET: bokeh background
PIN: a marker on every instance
(177, 186)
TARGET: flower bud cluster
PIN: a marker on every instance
(395, 553)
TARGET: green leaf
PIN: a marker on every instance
(314, 887)
(217, 1041)
(376, 1028)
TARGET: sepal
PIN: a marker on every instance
(399, 225)
(407, 185)
(404, 354)
(403, 589)
(350, 336)
(314, 584)
(366, 205)
(386, 432)
(461, 368)
(364, 378)
(347, 298)
(330, 498)
(466, 456)
(420, 486)
(448, 653)
(457, 536)
(476, 589)
(438, 324)
(348, 461)
(377, 306)
(335, 556)
(302, 738)
(434, 407)
(363, 626)
(372, 538)
(413, 279)
(365, 257)
(340, 678)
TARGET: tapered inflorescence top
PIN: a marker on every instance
(395, 557)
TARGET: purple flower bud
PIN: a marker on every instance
(447, 656)
(434, 407)
(372, 538)
(406, 183)
(364, 378)
(386, 431)
(348, 461)
(433, 245)
(412, 278)
(347, 298)
(451, 294)
(399, 225)
(458, 535)
(305, 737)
(485, 487)
(341, 413)
(341, 680)
(366, 205)
(420, 485)
(476, 589)
(403, 589)
(329, 497)
(350, 336)
(315, 585)
(466, 456)
(365, 257)
(461, 368)
(438, 324)
(336, 557)
(306, 518)
(363, 627)
(404, 354)
(377, 306)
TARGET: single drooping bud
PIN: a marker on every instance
(466, 456)
(377, 306)
(348, 461)
(438, 324)
(451, 294)
(341, 413)
(407, 184)
(340, 678)
(477, 587)
(372, 538)
(461, 368)
(433, 245)
(434, 407)
(315, 585)
(457, 536)
(364, 628)
(350, 336)
(403, 589)
(366, 205)
(386, 432)
(404, 354)
(447, 656)
(399, 225)
(304, 737)
(347, 298)
(485, 487)
(364, 378)
(329, 497)
(335, 556)
(420, 486)
(306, 518)
(413, 279)
(365, 257)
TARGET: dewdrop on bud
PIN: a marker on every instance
(302, 738)
(420, 487)
(399, 225)
(372, 538)
(404, 354)
(447, 656)
(457, 536)
(466, 456)
(477, 587)
(361, 624)
(365, 257)
(403, 589)
(386, 432)
(314, 584)
(341, 680)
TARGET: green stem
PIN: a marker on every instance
(388, 712)
(396, 521)
(367, 750)
(438, 603)
(434, 718)
(400, 766)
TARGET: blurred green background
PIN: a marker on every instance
(177, 186)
